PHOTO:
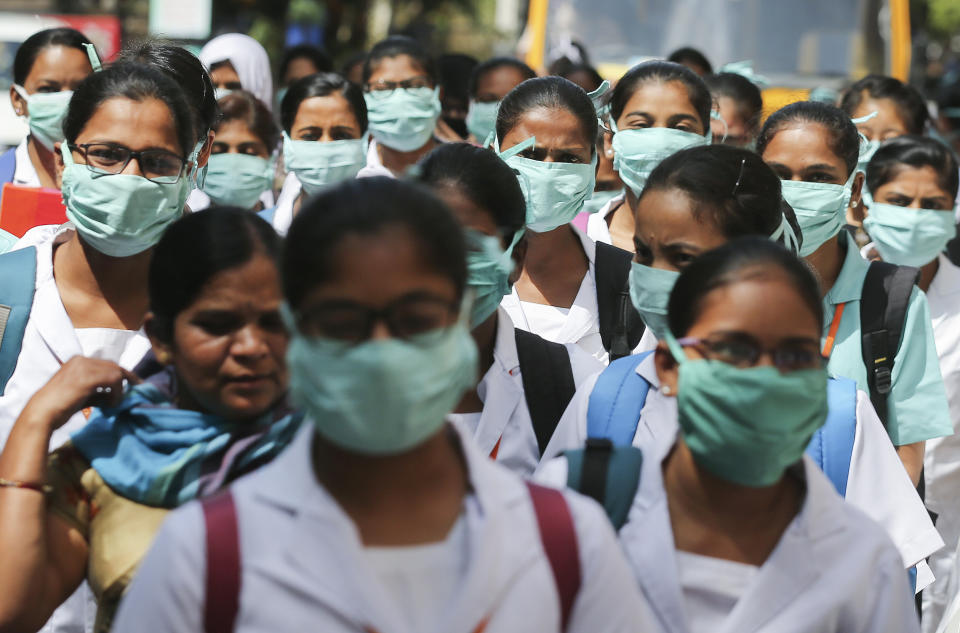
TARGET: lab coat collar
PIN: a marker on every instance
(849, 283)
(326, 539)
(501, 389)
(55, 327)
(947, 280)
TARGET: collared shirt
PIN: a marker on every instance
(597, 228)
(917, 403)
(25, 175)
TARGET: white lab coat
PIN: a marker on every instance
(505, 417)
(877, 485)
(24, 174)
(597, 229)
(833, 570)
(304, 568)
(283, 211)
(942, 459)
(374, 166)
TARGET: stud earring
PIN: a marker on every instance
(163, 358)
(666, 390)
(609, 153)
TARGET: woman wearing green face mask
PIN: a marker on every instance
(325, 141)
(240, 170)
(657, 108)
(490, 82)
(403, 103)
(380, 512)
(503, 416)
(814, 148)
(732, 527)
(48, 66)
(571, 289)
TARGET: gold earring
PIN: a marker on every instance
(163, 358)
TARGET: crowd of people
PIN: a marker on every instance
(432, 344)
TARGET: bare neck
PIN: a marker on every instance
(43, 163)
(398, 162)
(827, 261)
(546, 252)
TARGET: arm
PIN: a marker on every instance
(912, 457)
(44, 559)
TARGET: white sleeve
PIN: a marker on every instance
(167, 593)
(571, 431)
(609, 599)
(879, 486)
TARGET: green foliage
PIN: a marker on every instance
(944, 16)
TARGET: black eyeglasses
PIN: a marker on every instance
(383, 88)
(353, 322)
(744, 351)
(156, 165)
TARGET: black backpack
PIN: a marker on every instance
(620, 325)
(548, 384)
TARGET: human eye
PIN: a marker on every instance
(799, 355)
(106, 155)
(643, 253)
(217, 323)
(819, 176)
(161, 163)
(733, 351)
(272, 321)
(899, 201)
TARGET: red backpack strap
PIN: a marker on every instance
(223, 563)
(559, 543)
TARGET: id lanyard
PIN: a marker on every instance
(832, 334)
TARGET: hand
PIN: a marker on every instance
(80, 383)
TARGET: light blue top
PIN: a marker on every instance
(267, 214)
(7, 240)
(917, 403)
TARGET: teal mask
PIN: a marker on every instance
(820, 209)
(555, 192)
(747, 426)
(119, 215)
(867, 151)
(600, 199)
(909, 237)
(488, 273)
(220, 93)
(47, 110)
(385, 396)
(482, 119)
(319, 165)
(636, 153)
(650, 293)
(403, 119)
(237, 180)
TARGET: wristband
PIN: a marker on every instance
(26, 485)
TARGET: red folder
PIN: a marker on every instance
(22, 208)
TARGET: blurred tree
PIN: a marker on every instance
(944, 16)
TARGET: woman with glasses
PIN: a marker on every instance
(731, 527)
(212, 410)
(48, 67)
(381, 516)
(400, 86)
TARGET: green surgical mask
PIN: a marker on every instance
(650, 293)
(909, 237)
(867, 151)
(319, 165)
(220, 93)
(403, 119)
(747, 426)
(384, 396)
(119, 214)
(482, 119)
(47, 110)
(636, 153)
(820, 208)
(600, 199)
(237, 180)
(555, 192)
(488, 272)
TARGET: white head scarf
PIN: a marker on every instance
(249, 60)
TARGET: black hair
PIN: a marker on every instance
(187, 71)
(31, 48)
(908, 101)
(455, 70)
(317, 56)
(367, 206)
(732, 187)
(595, 78)
(913, 151)
(352, 61)
(738, 260)
(689, 55)
(217, 239)
(481, 177)
(549, 93)
(561, 65)
(498, 62)
(244, 106)
(949, 99)
(844, 140)
(137, 82)
(662, 72)
(397, 45)
(322, 85)
(742, 91)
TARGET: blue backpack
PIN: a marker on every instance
(18, 276)
(608, 468)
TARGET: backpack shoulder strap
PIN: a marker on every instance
(617, 400)
(8, 166)
(559, 544)
(223, 563)
(832, 445)
(18, 279)
(548, 384)
(620, 325)
(609, 474)
(883, 313)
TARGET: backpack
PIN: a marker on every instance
(608, 468)
(620, 324)
(548, 384)
(18, 275)
(555, 523)
(8, 166)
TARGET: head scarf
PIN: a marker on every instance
(247, 58)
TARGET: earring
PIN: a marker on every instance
(163, 358)
(666, 390)
(609, 152)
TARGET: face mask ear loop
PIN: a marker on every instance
(597, 97)
(675, 348)
(715, 114)
(863, 139)
(491, 137)
(516, 149)
(790, 241)
(94, 58)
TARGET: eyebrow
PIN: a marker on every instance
(675, 246)
(820, 166)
